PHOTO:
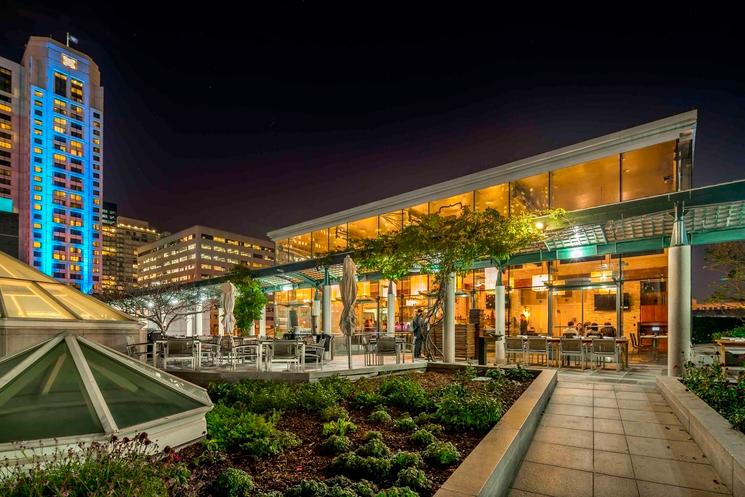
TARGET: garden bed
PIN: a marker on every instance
(455, 408)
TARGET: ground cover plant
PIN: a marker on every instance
(711, 384)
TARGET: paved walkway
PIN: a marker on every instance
(611, 439)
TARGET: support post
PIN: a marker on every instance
(262, 322)
(679, 297)
(391, 308)
(326, 299)
(448, 320)
(499, 318)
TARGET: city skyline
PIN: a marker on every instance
(271, 121)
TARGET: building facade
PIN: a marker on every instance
(199, 253)
(60, 164)
(121, 239)
(10, 93)
(591, 275)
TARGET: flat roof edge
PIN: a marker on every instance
(636, 137)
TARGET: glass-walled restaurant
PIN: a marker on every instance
(626, 291)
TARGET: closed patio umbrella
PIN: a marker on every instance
(228, 305)
(348, 290)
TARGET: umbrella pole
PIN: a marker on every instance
(349, 350)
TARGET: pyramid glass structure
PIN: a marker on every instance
(26, 293)
(71, 389)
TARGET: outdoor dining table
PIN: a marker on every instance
(401, 343)
(731, 343)
(160, 345)
(554, 342)
(655, 343)
(264, 359)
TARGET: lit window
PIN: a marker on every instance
(5, 107)
(37, 197)
(37, 150)
(38, 132)
(37, 226)
(37, 93)
(37, 178)
(37, 244)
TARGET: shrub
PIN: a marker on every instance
(336, 444)
(364, 400)
(118, 467)
(466, 374)
(397, 492)
(441, 453)
(307, 488)
(473, 412)
(362, 488)
(422, 438)
(414, 478)
(340, 492)
(231, 429)
(379, 416)
(355, 466)
(518, 373)
(339, 427)
(405, 393)
(371, 435)
(374, 448)
(710, 383)
(233, 482)
(365, 488)
(270, 493)
(404, 424)
(342, 388)
(453, 390)
(334, 412)
(422, 418)
(405, 459)
(495, 374)
(434, 428)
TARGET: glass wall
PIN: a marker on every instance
(528, 299)
(391, 222)
(586, 185)
(451, 206)
(338, 237)
(648, 171)
(529, 194)
(320, 243)
(495, 197)
(363, 228)
(412, 214)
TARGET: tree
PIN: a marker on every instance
(250, 300)
(441, 246)
(727, 259)
(162, 305)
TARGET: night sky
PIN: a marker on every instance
(254, 119)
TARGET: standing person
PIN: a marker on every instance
(417, 327)
(523, 325)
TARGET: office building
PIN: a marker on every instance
(199, 253)
(10, 74)
(56, 171)
(122, 236)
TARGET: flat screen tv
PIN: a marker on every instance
(607, 302)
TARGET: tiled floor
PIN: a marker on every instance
(611, 439)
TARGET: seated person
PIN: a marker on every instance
(608, 330)
(570, 331)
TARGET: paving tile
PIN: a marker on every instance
(564, 436)
(604, 386)
(610, 442)
(643, 405)
(579, 392)
(560, 455)
(651, 489)
(569, 410)
(653, 430)
(603, 402)
(612, 486)
(613, 463)
(562, 421)
(607, 426)
(604, 394)
(669, 449)
(571, 400)
(606, 413)
(584, 385)
(650, 396)
(635, 388)
(649, 416)
(677, 473)
(554, 481)
(522, 493)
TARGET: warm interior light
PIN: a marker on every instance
(539, 225)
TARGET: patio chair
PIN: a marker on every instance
(245, 353)
(387, 346)
(178, 351)
(140, 351)
(602, 349)
(637, 346)
(538, 346)
(314, 352)
(287, 352)
(514, 346)
(328, 346)
(571, 348)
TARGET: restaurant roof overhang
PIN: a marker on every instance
(712, 214)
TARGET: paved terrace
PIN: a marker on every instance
(613, 436)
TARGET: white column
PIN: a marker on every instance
(391, 308)
(448, 320)
(199, 322)
(326, 312)
(499, 314)
(190, 325)
(262, 322)
(678, 299)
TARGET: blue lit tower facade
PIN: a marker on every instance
(61, 167)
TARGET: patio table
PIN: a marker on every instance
(655, 343)
(622, 343)
(731, 343)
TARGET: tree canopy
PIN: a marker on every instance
(250, 299)
(727, 259)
